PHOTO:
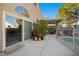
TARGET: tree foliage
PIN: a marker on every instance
(40, 27)
(64, 13)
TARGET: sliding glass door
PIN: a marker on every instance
(27, 30)
(13, 30)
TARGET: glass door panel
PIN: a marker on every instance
(27, 30)
(13, 30)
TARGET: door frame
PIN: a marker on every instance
(4, 29)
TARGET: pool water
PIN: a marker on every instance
(69, 41)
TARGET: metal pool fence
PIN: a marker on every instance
(69, 37)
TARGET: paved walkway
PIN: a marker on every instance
(47, 47)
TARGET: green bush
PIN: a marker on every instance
(40, 28)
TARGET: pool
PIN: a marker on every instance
(69, 41)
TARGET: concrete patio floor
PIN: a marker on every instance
(47, 47)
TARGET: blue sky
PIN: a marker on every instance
(50, 9)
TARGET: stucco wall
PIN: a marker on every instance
(33, 10)
(34, 13)
(38, 11)
(0, 27)
(0, 31)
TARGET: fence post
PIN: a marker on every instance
(73, 37)
(74, 41)
(62, 29)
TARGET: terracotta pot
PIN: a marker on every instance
(39, 38)
(35, 38)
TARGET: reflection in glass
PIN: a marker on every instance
(13, 30)
(21, 10)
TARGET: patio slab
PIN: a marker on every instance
(47, 47)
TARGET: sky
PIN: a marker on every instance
(50, 9)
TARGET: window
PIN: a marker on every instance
(13, 30)
(10, 19)
(21, 10)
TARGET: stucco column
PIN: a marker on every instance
(1, 30)
(73, 36)
(74, 42)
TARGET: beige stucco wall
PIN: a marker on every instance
(38, 12)
(34, 13)
(0, 31)
(1, 13)
(1, 27)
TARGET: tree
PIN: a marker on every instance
(65, 14)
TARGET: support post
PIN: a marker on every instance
(73, 37)
(74, 42)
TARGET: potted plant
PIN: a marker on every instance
(39, 30)
(34, 32)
